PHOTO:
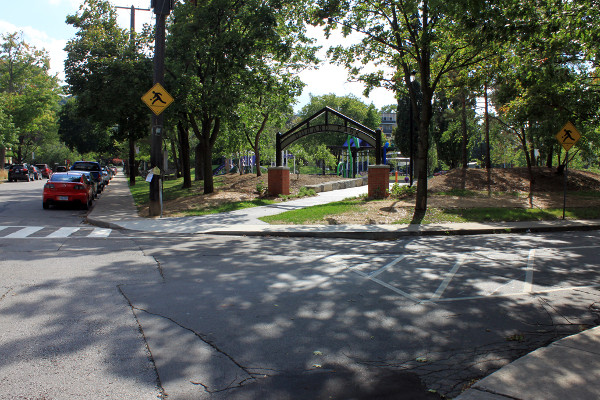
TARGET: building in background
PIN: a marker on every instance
(388, 123)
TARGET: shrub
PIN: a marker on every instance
(399, 191)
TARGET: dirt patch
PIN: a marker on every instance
(514, 180)
(508, 188)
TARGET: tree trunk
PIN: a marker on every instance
(208, 176)
(210, 131)
(463, 123)
(523, 137)
(257, 160)
(130, 138)
(2, 156)
(184, 154)
(199, 165)
(549, 157)
(175, 159)
(422, 153)
(488, 158)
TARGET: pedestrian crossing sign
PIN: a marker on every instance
(157, 99)
(568, 136)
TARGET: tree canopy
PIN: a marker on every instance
(30, 96)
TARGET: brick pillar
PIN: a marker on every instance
(379, 181)
(279, 181)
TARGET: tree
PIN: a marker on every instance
(30, 95)
(107, 71)
(268, 104)
(217, 50)
(429, 37)
(79, 133)
(7, 129)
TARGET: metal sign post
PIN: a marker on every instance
(565, 184)
(567, 137)
(157, 100)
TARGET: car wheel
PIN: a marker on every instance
(45, 205)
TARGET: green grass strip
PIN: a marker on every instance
(311, 214)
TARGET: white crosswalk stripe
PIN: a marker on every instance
(100, 232)
(63, 232)
(21, 232)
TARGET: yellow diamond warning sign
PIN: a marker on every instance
(157, 99)
(568, 136)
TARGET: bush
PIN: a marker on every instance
(398, 191)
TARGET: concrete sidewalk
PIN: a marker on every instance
(568, 368)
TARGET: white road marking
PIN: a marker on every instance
(387, 285)
(382, 269)
(552, 290)
(100, 233)
(528, 286)
(440, 290)
(63, 232)
(24, 232)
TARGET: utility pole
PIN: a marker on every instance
(162, 8)
(131, 163)
(132, 19)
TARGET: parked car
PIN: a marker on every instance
(20, 172)
(37, 174)
(45, 170)
(92, 180)
(68, 187)
(60, 168)
(94, 168)
(105, 176)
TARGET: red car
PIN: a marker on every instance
(45, 170)
(68, 187)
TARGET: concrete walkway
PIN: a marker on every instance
(568, 368)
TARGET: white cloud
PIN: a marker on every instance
(331, 78)
(41, 41)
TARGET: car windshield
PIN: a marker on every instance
(65, 178)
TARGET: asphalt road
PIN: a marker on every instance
(88, 313)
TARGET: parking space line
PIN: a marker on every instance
(528, 285)
(387, 285)
(382, 269)
(23, 233)
(448, 278)
(537, 292)
(63, 232)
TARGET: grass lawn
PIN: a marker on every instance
(172, 189)
(312, 214)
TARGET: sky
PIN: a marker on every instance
(43, 25)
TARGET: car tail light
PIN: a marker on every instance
(78, 187)
(49, 186)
